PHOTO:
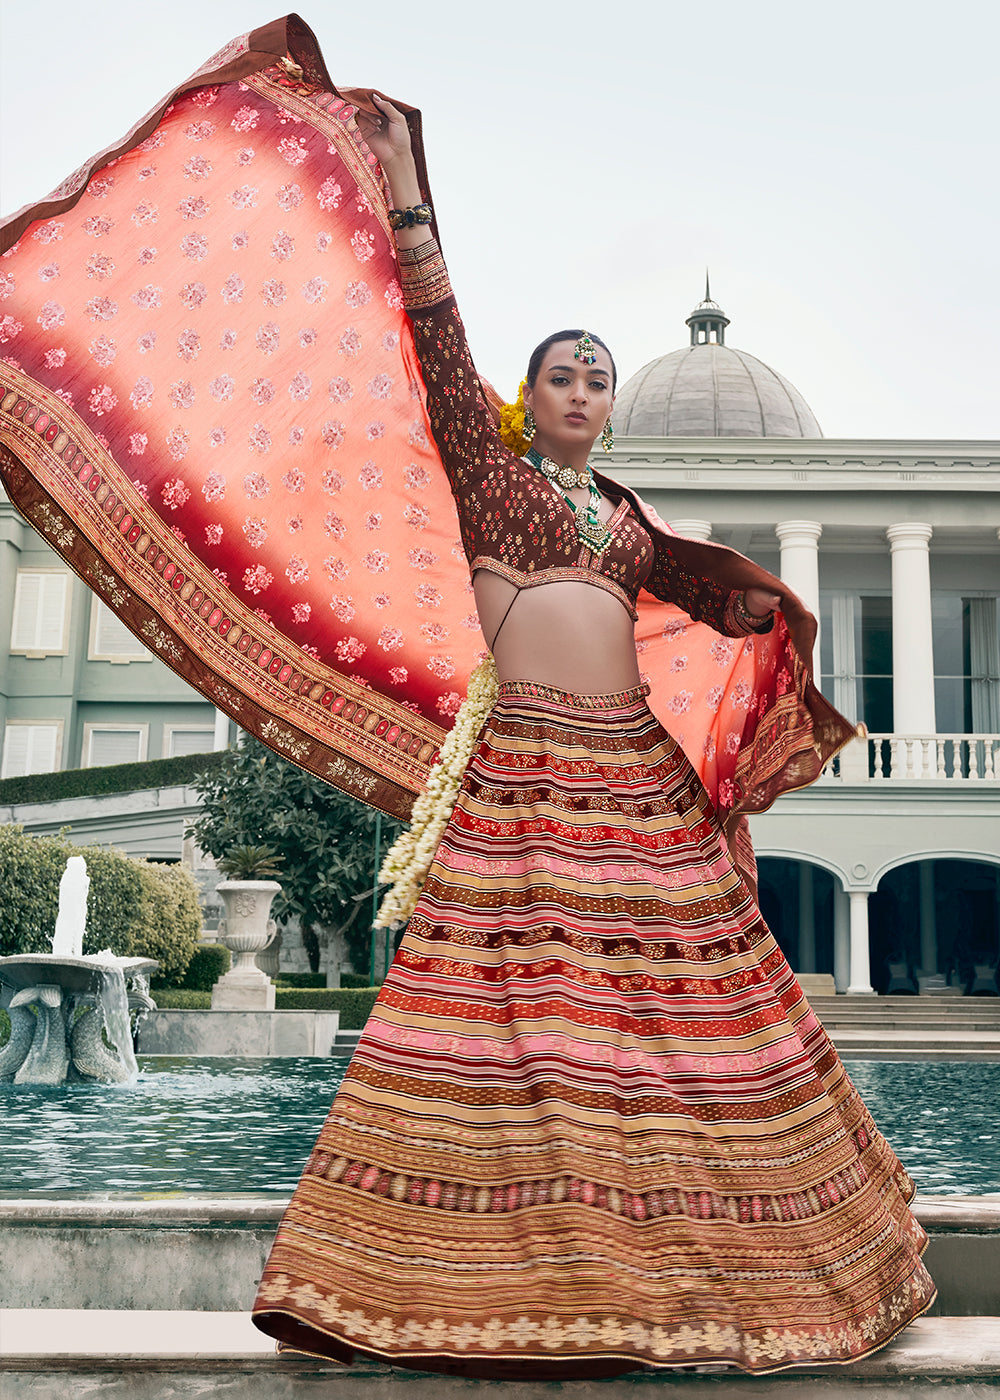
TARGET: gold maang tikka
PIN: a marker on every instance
(585, 349)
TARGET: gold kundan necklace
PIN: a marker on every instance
(591, 530)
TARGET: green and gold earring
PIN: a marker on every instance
(608, 436)
(530, 426)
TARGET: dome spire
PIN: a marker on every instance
(708, 321)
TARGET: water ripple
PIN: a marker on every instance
(248, 1125)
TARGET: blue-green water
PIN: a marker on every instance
(233, 1125)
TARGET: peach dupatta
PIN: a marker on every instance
(211, 407)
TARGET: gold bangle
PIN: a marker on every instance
(744, 614)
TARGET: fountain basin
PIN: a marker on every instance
(70, 1016)
(74, 974)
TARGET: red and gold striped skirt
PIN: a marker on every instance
(592, 1124)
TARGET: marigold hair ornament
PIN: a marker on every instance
(517, 424)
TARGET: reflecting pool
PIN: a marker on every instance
(230, 1125)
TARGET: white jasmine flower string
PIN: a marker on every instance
(409, 858)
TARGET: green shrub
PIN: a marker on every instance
(134, 908)
(301, 979)
(30, 872)
(94, 782)
(209, 962)
(31, 868)
(181, 999)
(355, 979)
(169, 923)
(4, 1027)
(353, 1003)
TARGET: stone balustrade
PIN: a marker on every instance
(951, 758)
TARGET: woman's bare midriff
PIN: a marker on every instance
(571, 635)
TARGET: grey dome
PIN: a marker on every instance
(708, 389)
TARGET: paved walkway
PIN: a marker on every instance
(155, 1355)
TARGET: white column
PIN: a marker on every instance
(807, 923)
(928, 919)
(692, 529)
(221, 740)
(841, 938)
(861, 979)
(799, 566)
(912, 653)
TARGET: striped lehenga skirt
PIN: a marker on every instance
(592, 1124)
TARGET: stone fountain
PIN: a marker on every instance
(70, 1014)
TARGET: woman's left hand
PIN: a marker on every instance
(388, 135)
(760, 602)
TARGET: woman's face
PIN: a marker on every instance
(571, 401)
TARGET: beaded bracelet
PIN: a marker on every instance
(406, 218)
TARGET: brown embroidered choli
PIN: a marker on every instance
(513, 521)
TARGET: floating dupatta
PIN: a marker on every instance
(211, 408)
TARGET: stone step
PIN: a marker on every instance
(960, 1038)
(345, 1043)
(911, 1043)
(206, 1252)
(903, 1054)
(986, 1008)
(156, 1355)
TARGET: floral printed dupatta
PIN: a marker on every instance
(210, 406)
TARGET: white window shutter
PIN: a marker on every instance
(109, 746)
(111, 637)
(39, 611)
(29, 748)
(185, 741)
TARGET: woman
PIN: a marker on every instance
(592, 1125)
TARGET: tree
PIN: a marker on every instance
(327, 841)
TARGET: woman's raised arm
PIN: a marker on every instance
(388, 138)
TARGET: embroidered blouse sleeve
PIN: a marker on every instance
(463, 428)
(701, 597)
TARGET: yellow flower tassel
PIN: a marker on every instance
(409, 859)
(512, 424)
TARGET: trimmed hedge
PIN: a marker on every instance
(353, 1003)
(117, 777)
(355, 979)
(135, 908)
(208, 963)
(315, 980)
(181, 999)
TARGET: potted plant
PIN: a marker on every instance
(247, 928)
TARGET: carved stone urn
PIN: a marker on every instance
(246, 930)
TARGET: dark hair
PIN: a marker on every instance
(540, 351)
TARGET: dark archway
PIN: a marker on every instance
(779, 885)
(962, 900)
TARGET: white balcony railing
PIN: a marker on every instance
(951, 758)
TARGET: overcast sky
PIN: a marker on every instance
(834, 164)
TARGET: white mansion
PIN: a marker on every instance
(886, 873)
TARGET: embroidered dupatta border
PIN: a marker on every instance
(90, 514)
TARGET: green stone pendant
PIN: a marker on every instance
(591, 530)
